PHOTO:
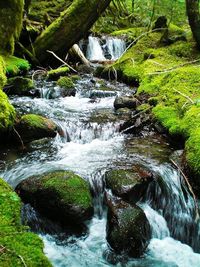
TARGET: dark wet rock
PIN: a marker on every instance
(101, 94)
(84, 69)
(161, 23)
(67, 86)
(125, 102)
(103, 116)
(32, 127)
(129, 184)
(128, 230)
(55, 74)
(140, 121)
(21, 86)
(60, 195)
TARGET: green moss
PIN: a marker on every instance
(17, 243)
(42, 10)
(70, 187)
(20, 85)
(55, 74)
(15, 65)
(11, 13)
(36, 121)
(65, 82)
(7, 113)
(2, 73)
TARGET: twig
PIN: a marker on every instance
(23, 146)
(51, 52)
(3, 248)
(38, 72)
(187, 97)
(139, 37)
(190, 189)
(174, 68)
(136, 115)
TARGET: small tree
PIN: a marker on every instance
(192, 7)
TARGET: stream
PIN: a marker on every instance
(89, 144)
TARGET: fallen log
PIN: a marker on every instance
(69, 28)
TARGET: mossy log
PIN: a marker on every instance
(69, 28)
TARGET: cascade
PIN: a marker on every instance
(90, 149)
(107, 48)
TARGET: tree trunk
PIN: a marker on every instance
(69, 28)
(194, 18)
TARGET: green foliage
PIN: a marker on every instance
(16, 244)
(15, 65)
(11, 12)
(65, 82)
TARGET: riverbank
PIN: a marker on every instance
(166, 70)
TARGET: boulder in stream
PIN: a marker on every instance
(129, 184)
(21, 86)
(61, 196)
(32, 127)
(128, 230)
(67, 85)
(55, 74)
(125, 102)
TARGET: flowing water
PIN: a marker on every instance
(107, 48)
(89, 145)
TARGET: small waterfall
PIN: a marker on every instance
(116, 47)
(94, 50)
(170, 197)
(109, 48)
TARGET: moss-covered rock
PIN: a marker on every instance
(57, 73)
(128, 230)
(15, 66)
(60, 195)
(2, 73)
(20, 86)
(11, 13)
(129, 184)
(32, 127)
(67, 85)
(16, 242)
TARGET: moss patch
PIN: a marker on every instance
(55, 74)
(15, 65)
(15, 241)
(65, 82)
(19, 85)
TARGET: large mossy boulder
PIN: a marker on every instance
(129, 184)
(60, 195)
(67, 86)
(17, 245)
(32, 127)
(20, 86)
(128, 229)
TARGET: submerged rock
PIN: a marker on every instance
(20, 86)
(129, 184)
(67, 85)
(128, 230)
(125, 102)
(32, 127)
(61, 196)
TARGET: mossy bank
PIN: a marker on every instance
(18, 246)
(166, 69)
